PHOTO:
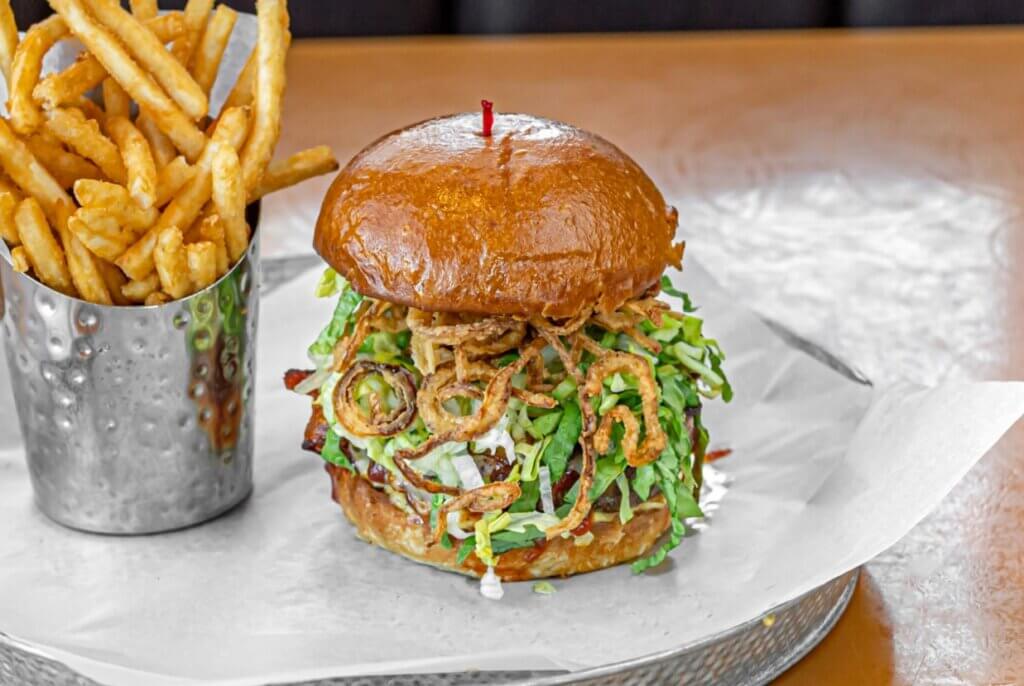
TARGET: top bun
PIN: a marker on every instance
(539, 218)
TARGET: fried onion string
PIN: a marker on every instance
(380, 423)
(654, 439)
(603, 436)
(487, 498)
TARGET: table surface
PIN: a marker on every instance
(862, 188)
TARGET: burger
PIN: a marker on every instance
(502, 389)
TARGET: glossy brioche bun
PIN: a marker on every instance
(378, 521)
(539, 218)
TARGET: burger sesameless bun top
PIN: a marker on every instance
(538, 218)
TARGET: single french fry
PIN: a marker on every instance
(20, 260)
(8, 229)
(116, 102)
(138, 161)
(65, 166)
(85, 275)
(101, 199)
(202, 264)
(207, 57)
(171, 262)
(26, 171)
(103, 194)
(98, 243)
(150, 53)
(44, 252)
(157, 298)
(159, 144)
(295, 169)
(114, 279)
(196, 13)
(83, 136)
(104, 224)
(228, 196)
(138, 291)
(144, 9)
(245, 85)
(86, 72)
(171, 179)
(137, 262)
(8, 40)
(271, 45)
(211, 230)
(115, 59)
(28, 61)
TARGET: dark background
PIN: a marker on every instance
(404, 17)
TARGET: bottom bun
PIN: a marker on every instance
(378, 521)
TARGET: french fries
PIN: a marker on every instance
(211, 230)
(149, 52)
(159, 144)
(26, 171)
(138, 291)
(85, 275)
(295, 169)
(28, 61)
(206, 60)
(98, 241)
(202, 263)
(159, 203)
(172, 262)
(196, 13)
(115, 280)
(43, 251)
(83, 135)
(172, 178)
(19, 260)
(8, 229)
(229, 200)
(144, 9)
(140, 169)
(116, 102)
(143, 89)
(137, 262)
(65, 166)
(8, 39)
(86, 72)
(272, 16)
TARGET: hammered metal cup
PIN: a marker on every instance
(135, 419)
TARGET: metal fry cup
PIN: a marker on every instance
(135, 419)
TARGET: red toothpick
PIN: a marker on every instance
(488, 116)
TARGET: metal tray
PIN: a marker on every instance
(751, 653)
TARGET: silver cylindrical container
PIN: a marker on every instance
(135, 419)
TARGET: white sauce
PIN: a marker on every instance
(498, 437)
(490, 585)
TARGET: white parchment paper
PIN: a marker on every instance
(280, 589)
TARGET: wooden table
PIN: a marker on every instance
(863, 188)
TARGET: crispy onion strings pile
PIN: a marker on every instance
(458, 356)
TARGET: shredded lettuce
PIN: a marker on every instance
(333, 453)
(666, 286)
(331, 282)
(563, 441)
(348, 302)
(625, 511)
(543, 425)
